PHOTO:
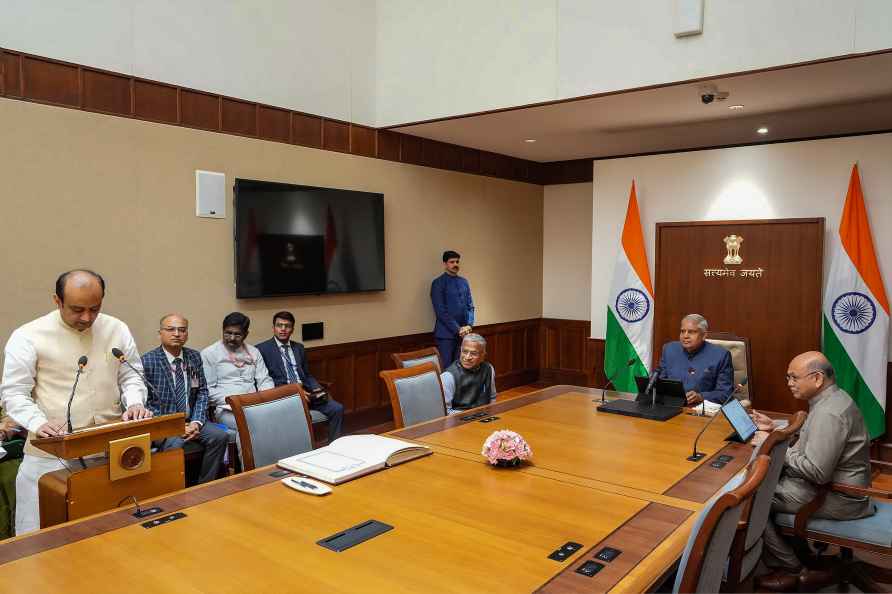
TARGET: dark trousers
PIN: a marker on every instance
(334, 410)
(448, 348)
(214, 441)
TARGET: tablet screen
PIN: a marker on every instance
(740, 421)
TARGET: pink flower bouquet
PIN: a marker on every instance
(506, 448)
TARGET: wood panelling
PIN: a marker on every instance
(335, 136)
(564, 172)
(82, 87)
(411, 150)
(51, 82)
(106, 93)
(12, 74)
(153, 101)
(389, 145)
(306, 130)
(239, 117)
(273, 123)
(199, 110)
(362, 140)
(780, 312)
(563, 351)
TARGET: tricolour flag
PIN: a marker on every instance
(856, 312)
(630, 307)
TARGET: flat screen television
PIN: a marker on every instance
(296, 240)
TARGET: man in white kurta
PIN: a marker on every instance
(41, 361)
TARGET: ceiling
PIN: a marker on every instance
(837, 97)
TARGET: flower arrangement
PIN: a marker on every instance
(506, 448)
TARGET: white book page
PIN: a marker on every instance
(373, 449)
(331, 461)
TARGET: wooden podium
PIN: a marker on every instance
(130, 468)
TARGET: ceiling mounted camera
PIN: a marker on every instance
(710, 93)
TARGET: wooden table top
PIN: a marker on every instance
(459, 524)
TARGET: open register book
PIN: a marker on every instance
(353, 456)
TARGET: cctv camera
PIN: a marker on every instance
(707, 98)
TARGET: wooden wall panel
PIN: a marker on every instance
(107, 93)
(51, 82)
(780, 312)
(156, 102)
(336, 136)
(273, 124)
(83, 87)
(239, 117)
(199, 110)
(362, 141)
(389, 145)
(12, 74)
(306, 130)
(563, 348)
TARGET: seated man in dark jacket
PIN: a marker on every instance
(286, 361)
(470, 381)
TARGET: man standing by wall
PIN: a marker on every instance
(453, 306)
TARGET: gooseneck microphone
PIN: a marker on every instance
(610, 379)
(119, 355)
(650, 384)
(81, 363)
(695, 455)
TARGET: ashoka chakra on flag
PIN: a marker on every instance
(632, 305)
(853, 312)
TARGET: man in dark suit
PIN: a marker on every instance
(453, 308)
(287, 364)
(178, 385)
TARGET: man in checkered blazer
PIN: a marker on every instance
(178, 385)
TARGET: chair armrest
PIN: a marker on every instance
(860, 491)
(806, 511)
(881, 467)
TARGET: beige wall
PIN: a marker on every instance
(566, 251)
(83, 189)
(774, 181)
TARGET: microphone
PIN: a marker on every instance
(695, 455)
(703, 406)
(739, 387)
(81, 363)
(119, 355)
(628, 364)
(650, 384)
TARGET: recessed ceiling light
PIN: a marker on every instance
(530, 140)
(762, 130)
(736, 107)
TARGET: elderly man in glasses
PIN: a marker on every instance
(232, 366)
(833, 446)
(704, 369)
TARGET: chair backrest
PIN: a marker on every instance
(741, 359)
(272, 424)
(706, 553)
(775, 447)
(416, 393)
(413, 358)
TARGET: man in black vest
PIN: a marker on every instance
(470, 381)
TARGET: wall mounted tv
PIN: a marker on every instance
(295, 240)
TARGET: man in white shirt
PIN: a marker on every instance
(39, 370)
(232, 366)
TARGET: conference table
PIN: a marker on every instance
(459, 525)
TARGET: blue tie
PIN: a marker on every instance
(179, 387)
(289, 367)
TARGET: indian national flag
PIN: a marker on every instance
(856, 312)
(630, 307)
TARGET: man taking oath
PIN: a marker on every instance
(39, 370)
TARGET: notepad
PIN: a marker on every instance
(354, 456)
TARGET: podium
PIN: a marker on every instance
(130, 469)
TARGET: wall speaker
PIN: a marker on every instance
(210, 194)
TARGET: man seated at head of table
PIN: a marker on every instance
(42, 359)
(703, 368)
(232, 367)
(178, 386)
(833, 446)
(471, 380)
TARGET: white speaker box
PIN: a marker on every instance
(687, 18)
(210, 194)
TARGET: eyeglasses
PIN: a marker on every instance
(173, 329)
(233, 335)
(790, 377)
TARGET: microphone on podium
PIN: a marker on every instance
(628, 364)
(119, 355)
(81, 363)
